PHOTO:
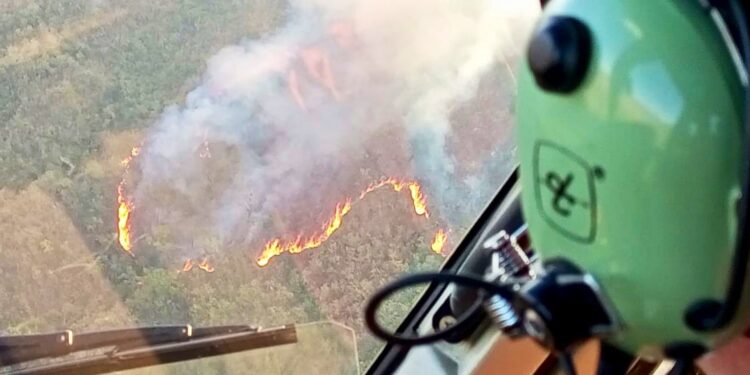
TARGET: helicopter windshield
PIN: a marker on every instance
(244, 162)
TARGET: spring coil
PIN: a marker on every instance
(501, 312)
(510, 262)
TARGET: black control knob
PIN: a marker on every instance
(564, 307)
(559, 54)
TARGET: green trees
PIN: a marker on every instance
(159, 299)
(111, 67)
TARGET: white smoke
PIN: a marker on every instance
(277, 110)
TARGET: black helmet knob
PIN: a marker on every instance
(559, 54)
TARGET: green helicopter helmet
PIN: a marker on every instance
(633, 149)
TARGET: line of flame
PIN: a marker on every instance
(417, 197)
(438, 242)
(125, 205)
(277, 246)
(187, 266)
(203, 265)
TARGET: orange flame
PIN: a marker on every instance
(187, 266)
(319, 68)
(439, 241)
(205, 266)
(125, 206)
(135, 151)
(420, 203)
(277, 247)
(417, 197)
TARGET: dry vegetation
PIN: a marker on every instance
(51, 278)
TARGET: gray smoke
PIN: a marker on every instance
(278, 112)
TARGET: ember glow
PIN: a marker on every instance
(438, 242)
(187, 266)
(125, 205)
(277, 246)
(317, 68)
(204, 265)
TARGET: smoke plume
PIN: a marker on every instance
(275, 120)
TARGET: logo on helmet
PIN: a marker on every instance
(565, 191)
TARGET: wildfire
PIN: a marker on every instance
(187, 266)
(439, 241)
(125, 206)
(301, 243)
(276, 247)
(135, 151)
(420, 204)
(203, 265)
(417, 197)
(317, 67)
